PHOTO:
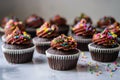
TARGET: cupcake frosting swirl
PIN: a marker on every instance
(47, 30)
(11, 26)
(18, 37)
(34, 21)
(105, 38)
(115, 28)
(58, 20)
(83, 16)
(6, 19)
(63, 42)
(83, 29)
(105, 21)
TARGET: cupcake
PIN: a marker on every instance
(104, 47)
(18, 47)
(32, 23)
(61, 22)
(82, 16)
(63, 54)
(115, 28)
(82, 33)
(104, 22)
(11, 26)
(44, 35)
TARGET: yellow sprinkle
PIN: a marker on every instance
(81, 24)
(96, 66)
(89, 63)
(82, 53)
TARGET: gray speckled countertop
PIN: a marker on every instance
(39, 70)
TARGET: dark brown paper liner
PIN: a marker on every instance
(18, 55)
(104, 57)
(42, 48)
(104, 54)
(62, 64)
(19, 58)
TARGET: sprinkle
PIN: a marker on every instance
(89, 63)
(113, 70)
(83, 55)
(16, 37)
(97, 66)
(111, 74)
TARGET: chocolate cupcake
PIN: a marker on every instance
(82, 16)
(104, 47)
(63, 28)
(104, 22)
(63, 54)
(32, 23)
(44, 35)
(18, 47)
(115, 28)
(82, 33)
(11, 26)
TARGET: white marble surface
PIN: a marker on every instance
(39, 70)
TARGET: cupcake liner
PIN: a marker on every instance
(40, 43)
(18, 51)
(18, 56)
(62, 62)
(82, 43)
(104, 54)
(81, 39)
(42, 48)
(3, 38)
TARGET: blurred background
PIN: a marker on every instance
(66, 8)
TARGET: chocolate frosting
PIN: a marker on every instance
(105, 21)
(47, 30)
(105, 38)
(34, 21)
(18, 37)
(84, 29)
(63, 42)
(58, 20)
(115, 28)
(82, 16)
(11, 25)
(6, 19)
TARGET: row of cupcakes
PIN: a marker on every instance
(62, 52)
(82, 30)
(105, 47)
(34, 21)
